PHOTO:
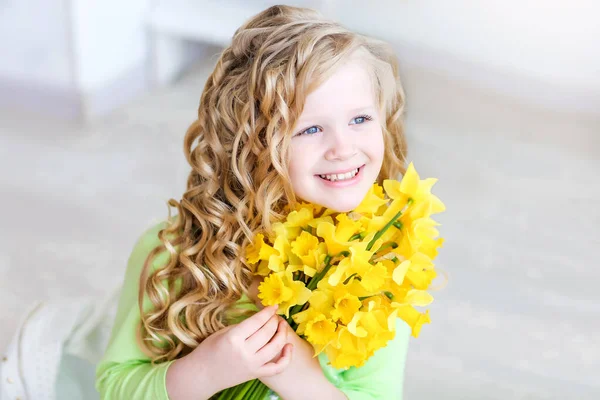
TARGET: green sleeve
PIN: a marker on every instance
(382, 376)
(125, 372)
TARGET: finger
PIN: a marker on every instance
(274, 347)
(274, 368)
(262, 336)
(250, 325)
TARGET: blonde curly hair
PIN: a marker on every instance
(238, 152)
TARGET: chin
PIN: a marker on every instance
(341, 207)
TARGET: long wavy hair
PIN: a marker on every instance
(238, 152)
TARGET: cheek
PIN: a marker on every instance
(302, 157)
(297, 166)
(376, 144)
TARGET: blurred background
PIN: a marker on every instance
(503, 106)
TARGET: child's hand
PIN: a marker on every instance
(305, 367)
(254, 348)
(304, 359)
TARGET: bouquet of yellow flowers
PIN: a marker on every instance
(342, 279)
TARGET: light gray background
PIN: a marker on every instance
(520, 318)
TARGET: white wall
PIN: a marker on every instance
(72, 58)
(109, 39)
(34, 43)
(550, 40)
(550, 48)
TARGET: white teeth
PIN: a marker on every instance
(340, 177)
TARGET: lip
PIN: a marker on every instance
(341, 171)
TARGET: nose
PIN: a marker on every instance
(341, 145)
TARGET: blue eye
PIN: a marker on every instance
(361, 119)
(310, 131)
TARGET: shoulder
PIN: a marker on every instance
(146, 243)
(149, 239)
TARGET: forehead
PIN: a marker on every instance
(348, 88)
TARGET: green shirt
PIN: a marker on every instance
(126, 373)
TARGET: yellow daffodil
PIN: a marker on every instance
(304, 317)
(320, 330)
(346, 350)
(262, 268)
(418, 271)
(421, 279)
(372, 276)
(340, 272)
(345, 305)
(304, 245)
(357, 262)
(322, 300)
(372, 201)
(355, 288)
(378, 222)
(274, 291)
(308, 248)
(413, 318)
(411, 186)
(281, 288)
(259, 250)
(419, 236)
(300, 217)
(286, 232)
(378, 324)
(417, 262)
(283, 247)
(337, 236)
(276, 264)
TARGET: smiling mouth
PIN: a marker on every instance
(341, 177)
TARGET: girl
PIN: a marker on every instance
(297, 109)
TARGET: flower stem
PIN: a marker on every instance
(312, 285)
(315, 280)
(349, 278)
(357, 236)
(382, 231)
(244, 388)
(393, 245)
(254, 390)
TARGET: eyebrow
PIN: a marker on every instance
(352, 111)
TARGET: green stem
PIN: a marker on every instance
(245, 387)
(313, 284)
(229, 393)
(251, 390)
(350, 277)
(251, 386)
(393, 245)
(254, 390)
(264, 391)
(356, 236)
(317, 278)
(382, 231)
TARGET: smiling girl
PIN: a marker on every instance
(298, 108)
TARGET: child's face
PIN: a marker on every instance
(338, 132)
